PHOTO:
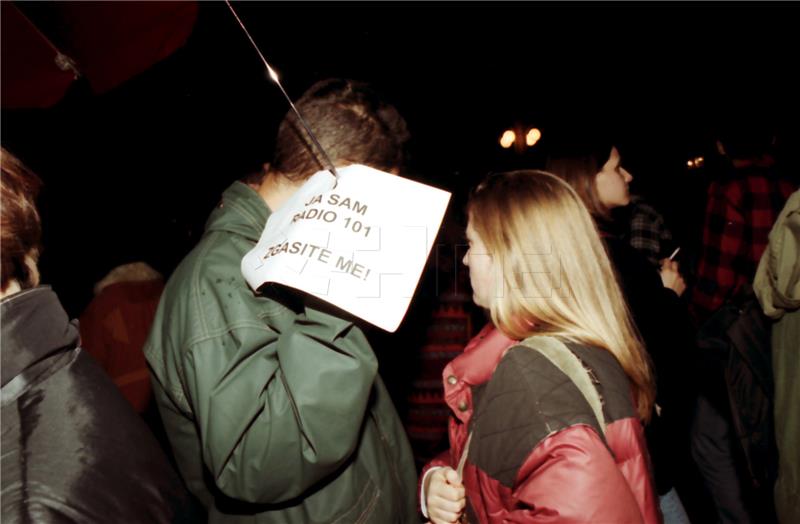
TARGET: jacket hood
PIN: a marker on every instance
(777, 282)
(34, 327)
(249, 216)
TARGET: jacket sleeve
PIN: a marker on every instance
(571, 477)
(280, 415)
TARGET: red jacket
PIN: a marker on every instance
(537, 454)
(114, 327)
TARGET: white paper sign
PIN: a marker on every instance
(361, 245)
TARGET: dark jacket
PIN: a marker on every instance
(274, 409)
(735, 346)
(668, 335)
(537, 453)
(73, 449)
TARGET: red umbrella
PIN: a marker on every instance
(45, 47)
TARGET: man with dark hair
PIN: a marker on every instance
(73, 449)
(351, 123)
(271, 400)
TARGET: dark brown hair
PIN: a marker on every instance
(350, 121)
(578, 164)
(20, 228)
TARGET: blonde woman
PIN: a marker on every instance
(532, 447)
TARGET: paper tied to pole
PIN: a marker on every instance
(359, 242)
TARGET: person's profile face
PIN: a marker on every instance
(612, 182)
(481, 268)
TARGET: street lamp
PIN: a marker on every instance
(514, 137)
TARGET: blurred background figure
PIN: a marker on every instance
(73, 449)
(732, 432)
(743, 202)
(115, 326)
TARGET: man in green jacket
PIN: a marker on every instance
(272, 403)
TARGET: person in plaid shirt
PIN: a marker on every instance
(742, 207)
(739, 215)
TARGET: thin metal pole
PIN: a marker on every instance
(274, 76)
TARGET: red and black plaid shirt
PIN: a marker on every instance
(739, 216)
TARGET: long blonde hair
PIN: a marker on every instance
(553, 273)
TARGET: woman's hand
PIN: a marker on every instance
(671, 277)
(444, 496)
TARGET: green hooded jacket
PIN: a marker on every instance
(275, 412)
(777, 285)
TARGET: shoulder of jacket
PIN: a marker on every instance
(527, 399)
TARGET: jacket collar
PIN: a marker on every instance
(481, 356)
(34, 326)
(473, 367)
(241, 211)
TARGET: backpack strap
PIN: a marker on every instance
(560, 356)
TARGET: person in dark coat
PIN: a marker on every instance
(73, 449)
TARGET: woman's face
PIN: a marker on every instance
(481, 269)
(612, 182)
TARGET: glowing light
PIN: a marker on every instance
(508, 138)
(533, 136)
(272, 73)
(695, 162)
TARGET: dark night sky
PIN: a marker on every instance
(143, 164)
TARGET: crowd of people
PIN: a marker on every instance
(608, 384)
